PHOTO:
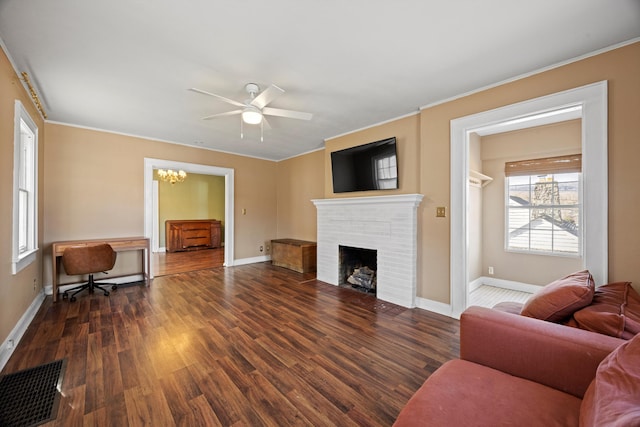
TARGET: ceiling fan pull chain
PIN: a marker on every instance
(262, 131)
(241, 130)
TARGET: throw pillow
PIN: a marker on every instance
(615, 311)
(560, 299)
(612, 398)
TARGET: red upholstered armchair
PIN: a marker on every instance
(520, 371)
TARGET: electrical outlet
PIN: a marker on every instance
(491, 271)
(35, 283)
(441, 212)
(10, 344)
(261, 248)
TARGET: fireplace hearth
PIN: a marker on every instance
(358, 268)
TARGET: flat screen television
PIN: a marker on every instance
(372, 166)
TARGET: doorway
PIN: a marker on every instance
(591, 101)
(151, 203)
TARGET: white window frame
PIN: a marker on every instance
(552, 252)
(25, 254)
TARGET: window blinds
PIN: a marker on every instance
(559, 164)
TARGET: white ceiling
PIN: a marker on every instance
(126, 65)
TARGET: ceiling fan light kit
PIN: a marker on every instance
(251, 115)
(255, 108)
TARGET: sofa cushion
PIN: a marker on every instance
(615, 311)
(463, 393)
(613, 398)
(509, 307)
(559, 300)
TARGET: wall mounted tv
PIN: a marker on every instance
(372, 166)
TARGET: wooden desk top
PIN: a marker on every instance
(117, 243)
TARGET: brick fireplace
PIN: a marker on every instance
(386, 224)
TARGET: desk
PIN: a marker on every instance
(118, 245)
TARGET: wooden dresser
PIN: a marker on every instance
(192, 234)
(297, 255)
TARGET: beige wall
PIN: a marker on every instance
(538, 142)
(300, 180)
(198, 197)
(17, 292)
(621, 67)
(93, 190)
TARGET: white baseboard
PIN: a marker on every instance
(475, 284)
(48, 289)
(254, 260)
(434, 306)
(445, 309)
(507, 284)
(9, 345)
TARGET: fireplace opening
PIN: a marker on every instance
(358, 268)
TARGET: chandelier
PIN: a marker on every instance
(172, 176)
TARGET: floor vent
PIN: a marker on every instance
(31, 397)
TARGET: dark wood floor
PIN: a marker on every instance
(251, 345)
(164, 263)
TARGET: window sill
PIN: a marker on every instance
(543, 253)
(26, 259)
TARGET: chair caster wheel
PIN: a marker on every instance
(114, 287)
(106, 293)
(72, 299)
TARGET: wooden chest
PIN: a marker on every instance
(297, 255)
(184, 235)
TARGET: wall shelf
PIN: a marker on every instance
(478, 179)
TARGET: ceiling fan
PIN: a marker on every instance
(254, 109)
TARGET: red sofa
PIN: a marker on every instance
(520, 371)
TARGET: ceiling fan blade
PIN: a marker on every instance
(286, 113)
(230, 101)
(228, 113)
(267, 96)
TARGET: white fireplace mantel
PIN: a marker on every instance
(387, 224)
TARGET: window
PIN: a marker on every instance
(25, 189)
(386, 172)
(544, 206)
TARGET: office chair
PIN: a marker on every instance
(79, 260)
